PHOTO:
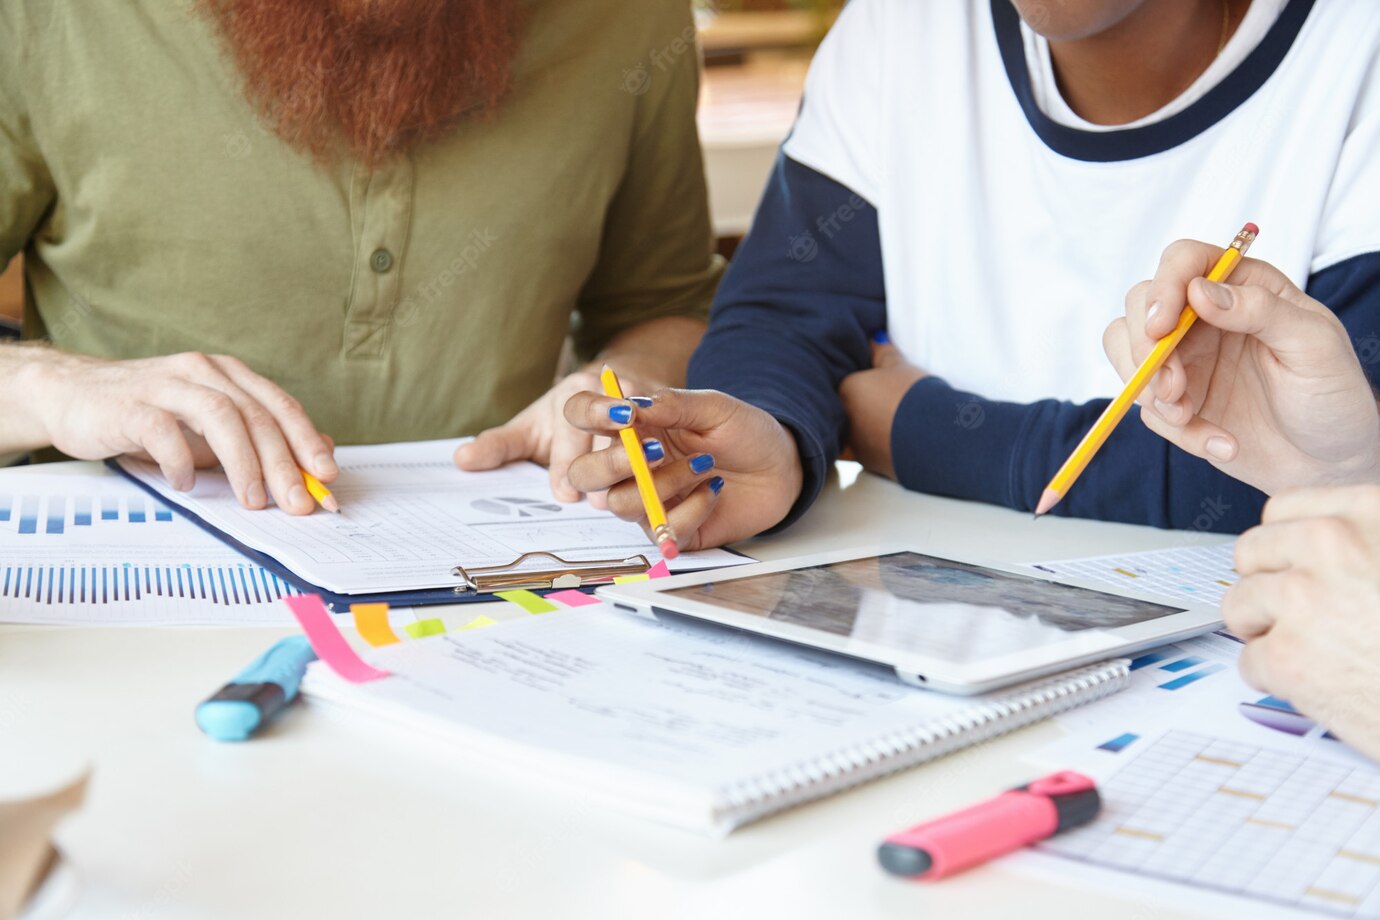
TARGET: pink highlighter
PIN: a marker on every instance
(1000, 825)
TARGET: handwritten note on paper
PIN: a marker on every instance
(372, 622)
(708, 703)
(325, 638)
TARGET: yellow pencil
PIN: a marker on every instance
(320, 492)
(1097, 436)
(662, 534)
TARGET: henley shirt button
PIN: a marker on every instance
(381, 261)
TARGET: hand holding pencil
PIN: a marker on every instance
(1083, 454)
(1266, 385)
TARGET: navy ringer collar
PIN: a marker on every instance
(1133, 143)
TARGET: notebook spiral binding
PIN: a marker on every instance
(842, 769)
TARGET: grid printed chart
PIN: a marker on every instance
(1255, 822)
(1194, 574)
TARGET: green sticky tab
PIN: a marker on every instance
(478, 622)
(532, 603)
(423, 628)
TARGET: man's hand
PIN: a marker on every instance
(871, 398)
(1308, 606)
(725, 470)
(182, 412)
(541, 434)
(1265, 386)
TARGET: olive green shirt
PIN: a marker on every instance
(159, 214)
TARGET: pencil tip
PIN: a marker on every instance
(1048, 500)
(330, 504)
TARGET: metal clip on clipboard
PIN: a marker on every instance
(521, 575)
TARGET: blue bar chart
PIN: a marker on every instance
(233, 584)
(37, 514)
(100, 551)
(1178, 667)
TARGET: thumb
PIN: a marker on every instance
(692, 410)
(1285, 327)
(495, 447)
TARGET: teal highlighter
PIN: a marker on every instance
(257, 693)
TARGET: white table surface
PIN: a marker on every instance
(323, 816)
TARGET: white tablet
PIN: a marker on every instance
(956, 626)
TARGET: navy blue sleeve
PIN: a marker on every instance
(954, 443)
(795, 313)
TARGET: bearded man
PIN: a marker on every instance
(256, 227)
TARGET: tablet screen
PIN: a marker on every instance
(926, 605)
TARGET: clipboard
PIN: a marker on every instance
(474, 584)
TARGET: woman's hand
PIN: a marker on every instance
(725, 470)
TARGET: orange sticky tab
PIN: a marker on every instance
(372, 622)
(325, 638)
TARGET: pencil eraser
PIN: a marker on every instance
(669, 550)
(1252, 229)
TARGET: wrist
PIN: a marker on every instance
(32, 377)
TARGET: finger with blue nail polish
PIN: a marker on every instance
(653, 449)
(620, 413)
(691, 512)
(674, 481)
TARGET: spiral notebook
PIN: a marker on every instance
(681, 722)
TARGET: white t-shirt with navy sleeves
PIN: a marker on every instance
(1006, 255)
(924, 191)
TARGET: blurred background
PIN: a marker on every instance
(755, 55)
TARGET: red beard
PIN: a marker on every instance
(378, 76)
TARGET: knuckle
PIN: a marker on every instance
(284, 469)
(193, 362)
(217, 405)
(1181, 248)
(156, 423)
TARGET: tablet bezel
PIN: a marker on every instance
(1088, 646)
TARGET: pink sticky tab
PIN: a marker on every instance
(572, 598)
(330, 646)
(660, 570)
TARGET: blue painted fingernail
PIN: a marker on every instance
(715, 484)
(621, 414)
(881, 338)
(653, 449)
(643, 402)
(701, 464)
